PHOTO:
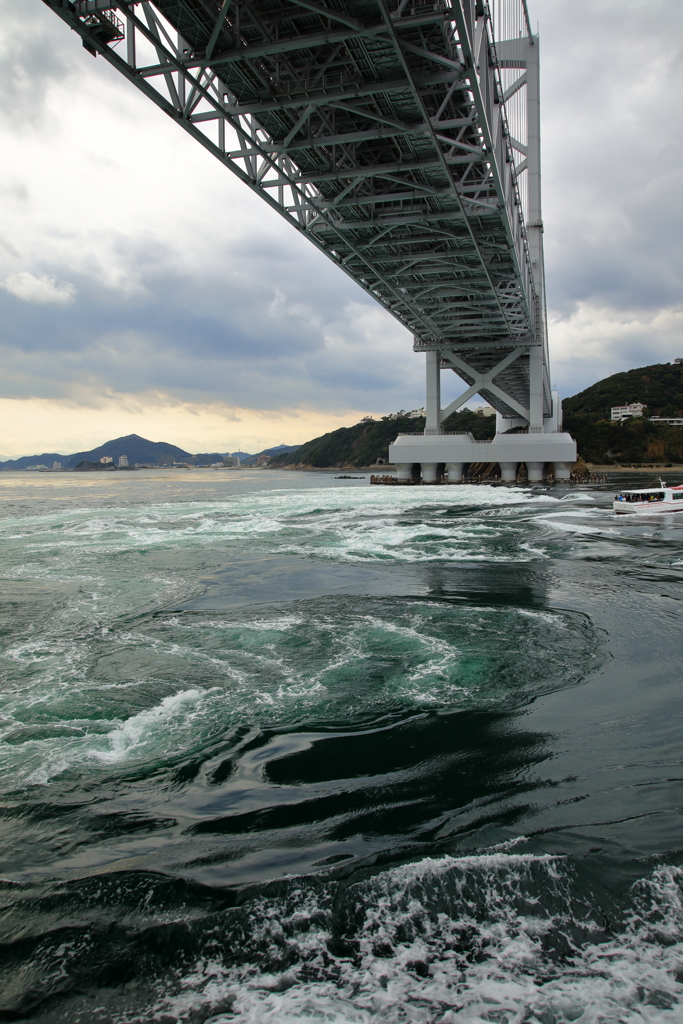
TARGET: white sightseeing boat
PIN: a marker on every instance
(657, 498)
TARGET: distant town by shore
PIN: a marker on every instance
(135, 452)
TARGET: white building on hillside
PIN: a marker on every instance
(123, 460)
(625, 412)
(105, 459)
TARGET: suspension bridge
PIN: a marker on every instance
(403, 139)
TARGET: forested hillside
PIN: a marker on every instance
(660, 387)
(587, 417)
(369, 440)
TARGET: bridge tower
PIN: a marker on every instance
(529, 406)
(403, 139)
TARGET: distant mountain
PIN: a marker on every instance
(280, 449)
(136, 448)
(46, 459)
(205, 458)
(209, 458)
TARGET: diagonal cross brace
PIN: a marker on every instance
(483, 381)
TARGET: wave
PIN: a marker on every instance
(185, 679)
(500, 937)
(366, 524)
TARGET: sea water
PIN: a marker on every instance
(277, 747)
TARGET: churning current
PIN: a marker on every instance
(282, 748)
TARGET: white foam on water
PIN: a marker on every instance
(138, 731)
(75, 650)
(280, 623)
(194, 678)
(171, 727)
(356, 525)
(579, 528)
(574, 513)
(534, 552)
(371, 540)
(254, 513)
(553, 618)
(452, 941)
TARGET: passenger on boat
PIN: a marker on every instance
(640, 497)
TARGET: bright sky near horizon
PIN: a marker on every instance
(144, 289)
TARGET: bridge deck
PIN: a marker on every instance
(380, 134)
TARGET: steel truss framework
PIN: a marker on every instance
(380, 130)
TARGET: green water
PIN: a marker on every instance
(280, 747)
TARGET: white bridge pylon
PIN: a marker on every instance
(401, 138)
(515, 381)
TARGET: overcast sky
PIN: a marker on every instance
(144, 289)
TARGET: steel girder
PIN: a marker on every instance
(380, 133)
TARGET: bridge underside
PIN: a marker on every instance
(381, 133)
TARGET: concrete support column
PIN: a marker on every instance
(508, 472)
(562, 470)
(404, 470)
(536, 388)
(454, 470)
(429, 472)
(433, 403)
(535, 472)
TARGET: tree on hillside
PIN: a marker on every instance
(599, 439)
(367, 441)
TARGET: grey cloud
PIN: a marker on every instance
(250, 332)
(252, 323)
(612, 77)
(613, 157)
(34, 53)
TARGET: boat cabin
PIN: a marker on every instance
(653, 499)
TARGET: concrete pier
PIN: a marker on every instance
(448, 453)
